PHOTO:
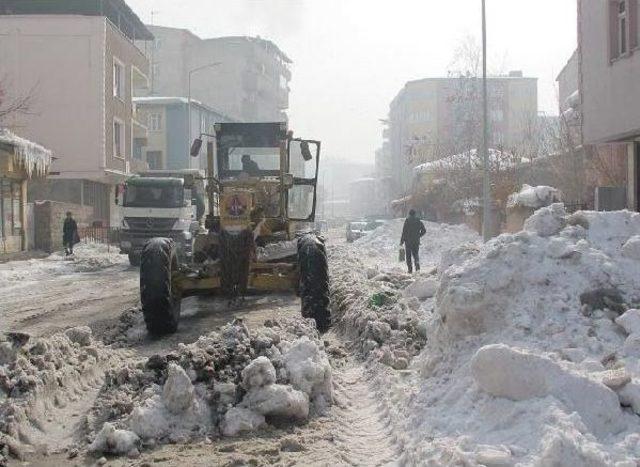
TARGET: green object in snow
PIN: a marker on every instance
(379, 299)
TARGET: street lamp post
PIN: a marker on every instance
(486, 193)
(191, 72)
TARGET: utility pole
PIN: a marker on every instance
(153, 55)
(486, 190)
(191, 72)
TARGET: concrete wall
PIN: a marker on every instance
(611, 91)
(49, 218)
(58, 60)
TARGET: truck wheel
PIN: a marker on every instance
(134, 259)
(314, 281)
(160, 302)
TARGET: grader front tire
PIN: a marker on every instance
(314, 281)
(160, 303)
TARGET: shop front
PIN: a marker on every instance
(20, 160)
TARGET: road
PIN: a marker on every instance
(45, 296)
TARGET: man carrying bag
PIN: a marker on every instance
(412, 231)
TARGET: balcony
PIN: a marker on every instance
(139, 82)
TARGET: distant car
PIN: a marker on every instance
(356, 230)
(374, 224)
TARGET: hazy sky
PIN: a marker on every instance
(351, 57)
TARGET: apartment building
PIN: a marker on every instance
(167, 120)
(80, 63)
(435, 117)
(601, 164)
(246, 78)
(608, 58)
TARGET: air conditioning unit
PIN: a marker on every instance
(610, 198)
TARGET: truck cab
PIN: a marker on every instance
(161, 204)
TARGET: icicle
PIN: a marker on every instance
(30, 156)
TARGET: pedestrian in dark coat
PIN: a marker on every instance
(412, 232)
(69, 234)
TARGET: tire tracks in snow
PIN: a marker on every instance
(363, 430)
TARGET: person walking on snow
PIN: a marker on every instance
(69, 234)
(412, 231)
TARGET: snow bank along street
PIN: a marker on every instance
(524, 349)
(520, 351)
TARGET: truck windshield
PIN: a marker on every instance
(147, 196)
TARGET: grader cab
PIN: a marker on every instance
(256, 238)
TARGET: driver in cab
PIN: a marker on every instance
(250, 167)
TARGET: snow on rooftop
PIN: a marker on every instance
(472, 157)
(32, 157)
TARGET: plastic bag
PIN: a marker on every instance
(401, 254)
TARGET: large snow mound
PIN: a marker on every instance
(376, 303)
(528, 360)
(41, 375)
(228, 382)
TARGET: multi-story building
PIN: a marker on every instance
(608, 58)
(168, 128)
(79, 63)
(246, 78)
(435, 117)
(590, 165)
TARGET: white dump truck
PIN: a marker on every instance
(161, 203)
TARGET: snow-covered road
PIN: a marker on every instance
(522, 351)
(44, 296)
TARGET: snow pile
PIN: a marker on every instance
(113, 441)
(87, 257)
(534, 197)
(531, 358)
(173, 412)
(379, 306)
(39, 375)
(227, 382)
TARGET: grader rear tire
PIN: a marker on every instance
(314, 281)
(160, 303)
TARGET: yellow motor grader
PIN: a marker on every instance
(261, 193)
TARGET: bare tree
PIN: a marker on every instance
(14, 104)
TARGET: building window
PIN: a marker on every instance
(10, 208)
(138, 144)
(622, 27)
(118, 79)
(155, 122)
(154, 159)
(118, 139)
